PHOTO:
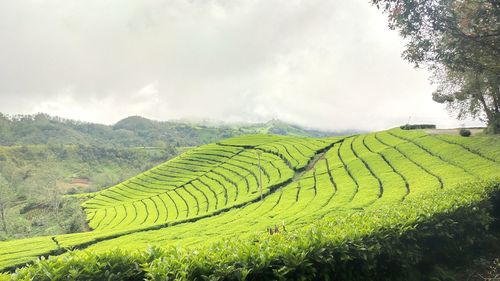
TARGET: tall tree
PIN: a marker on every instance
(459, 41)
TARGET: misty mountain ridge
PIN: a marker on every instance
(135, 131)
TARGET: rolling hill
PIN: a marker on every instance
(43, 158)
(268, 207)
(134, 131)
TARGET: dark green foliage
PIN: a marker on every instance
(442, 234)
(465, 133)
(417, 126)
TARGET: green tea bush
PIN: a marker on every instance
(384, 206)
(447, 227)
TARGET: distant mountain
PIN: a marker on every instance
(135, 123)
(134, 131)
(278, 127)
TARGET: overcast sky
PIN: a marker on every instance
(328, 64)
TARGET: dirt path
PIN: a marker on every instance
(315, 159)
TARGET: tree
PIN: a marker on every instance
(459, 41)
(7, 196)
(51, 195)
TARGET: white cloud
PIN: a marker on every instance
(320, 63)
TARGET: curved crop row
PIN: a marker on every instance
(228, 183)
(296, 152)
(356, 175)
(346, 178)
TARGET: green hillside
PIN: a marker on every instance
(37, 177)
(44, 158)
(134, 131)
(340, 205)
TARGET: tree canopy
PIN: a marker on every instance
(458, 40)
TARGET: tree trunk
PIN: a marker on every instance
(496, 103)
(494, 124)
(493, 117)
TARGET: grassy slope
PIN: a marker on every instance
(99, 165)
(355, 177)
(314, 195)
(47, 155)
(35, 171)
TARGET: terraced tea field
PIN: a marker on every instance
(212, 194)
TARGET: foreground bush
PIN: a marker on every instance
(447, 227)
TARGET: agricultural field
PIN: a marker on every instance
(271, 207)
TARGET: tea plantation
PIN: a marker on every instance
(375, 206)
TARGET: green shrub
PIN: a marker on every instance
(465, 132)
(445, 228)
